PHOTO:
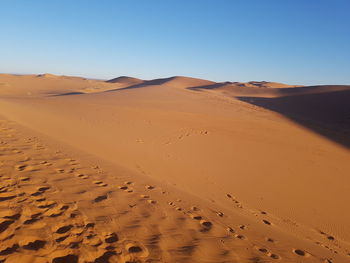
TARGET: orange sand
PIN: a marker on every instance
(173, 170)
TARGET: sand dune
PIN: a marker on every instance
(179, 82)
(50, 85)
(174, 82)
(172, 170)
(47, 75)
(268, 89)
(126, 80)
(328, 113)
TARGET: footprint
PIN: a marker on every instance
(94, 241)
(300, 252)
(230, 229)
(57, 211)
(220, 214)
(106, 257)
(4, 224)
(111, 238)
(33, 218)
(194, 208)
(66, 259)
(43, 188)
(100, 183)
(10, 214)
(89, 225)
(47, 204)
(82, 176)
(329, 237)
(100, 198)
(195, 216)
(97, 182)
(206, 224)
(20, 167)
(37, 193)
(274, 256)
(241, 237)
(41, 199)
(24, 178)
(8, 249)
(263, 250)
(64, 229)
(266, 222)
(32, 243)
(6, 196)
(60, 239)
(134, 249)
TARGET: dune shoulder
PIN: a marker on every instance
(58, 208)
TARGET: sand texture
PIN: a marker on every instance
(172, 170)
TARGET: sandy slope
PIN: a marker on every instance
(231, 181)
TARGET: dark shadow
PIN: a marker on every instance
(236, 86)
(326, 113)
(144, 84)
(212, 86)
(132, 86)
(68, 94)
(125, 79)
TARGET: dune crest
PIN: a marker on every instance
(125, 80)
(47, 75)
(179, 82)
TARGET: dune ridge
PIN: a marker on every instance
(69, 84)
(125, 79)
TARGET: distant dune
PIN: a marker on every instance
(126, 80)
(175, 169)
(179, 82)
(47, 75)
(175, 82)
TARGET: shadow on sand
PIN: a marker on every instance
(327, 113)
(144, 84)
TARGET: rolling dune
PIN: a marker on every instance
(172, 170)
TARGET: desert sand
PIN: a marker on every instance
(173, 170)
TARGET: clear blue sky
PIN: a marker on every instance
(292, 41)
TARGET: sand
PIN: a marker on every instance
(172, 170)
